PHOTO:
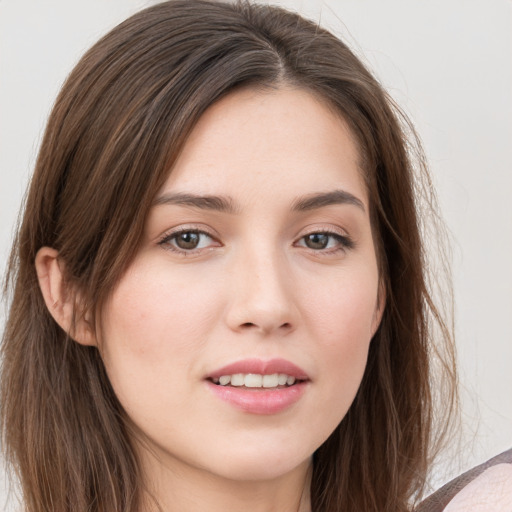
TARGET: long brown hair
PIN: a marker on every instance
(117, 126)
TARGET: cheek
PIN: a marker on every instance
(344, 309)
(155, 321)
(342, 320)
(151, 308)
(154, 329)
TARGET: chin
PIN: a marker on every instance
(260, 464)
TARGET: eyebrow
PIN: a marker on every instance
(208, 202)
(319, 200)
(227, 205)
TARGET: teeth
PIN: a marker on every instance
(255, 380)
(237, 379)
(225, 379)
(270, 381)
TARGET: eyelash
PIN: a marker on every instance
(345, 243)
(167, 240)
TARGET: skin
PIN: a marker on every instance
(490, 492)
(487, 486)
(255, 287)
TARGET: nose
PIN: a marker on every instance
(262, 298)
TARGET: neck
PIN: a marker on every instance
(171, 489)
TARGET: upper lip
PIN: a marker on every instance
(261, 367)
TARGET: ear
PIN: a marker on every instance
(379, 307)
(60, 302)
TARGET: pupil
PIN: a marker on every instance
(187, 240)
(317, 241)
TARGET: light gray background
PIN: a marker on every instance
(448, 63)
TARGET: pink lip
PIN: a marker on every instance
(260, 400)
(261, 367)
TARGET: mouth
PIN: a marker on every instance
(257, 380)
(259, 387)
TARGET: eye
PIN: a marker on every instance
(325, 241)
(187, 240)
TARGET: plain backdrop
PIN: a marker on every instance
(448, 63)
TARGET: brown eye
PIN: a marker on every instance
(187, 240)
(326, 242)
(317, 240)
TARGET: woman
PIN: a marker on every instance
(219, 291)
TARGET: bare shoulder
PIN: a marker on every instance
(485, 488)
(489, 492)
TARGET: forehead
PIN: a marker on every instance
(281, 142)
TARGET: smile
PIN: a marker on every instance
(259, 387)
(255, 380)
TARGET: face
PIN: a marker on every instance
(238, 337)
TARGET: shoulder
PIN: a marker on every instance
(489, 492)
(485, 488)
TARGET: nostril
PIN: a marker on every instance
(266, 327)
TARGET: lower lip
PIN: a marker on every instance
(259, 400)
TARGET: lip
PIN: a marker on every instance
(261, 367)
(261, 400)
(264, 401)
